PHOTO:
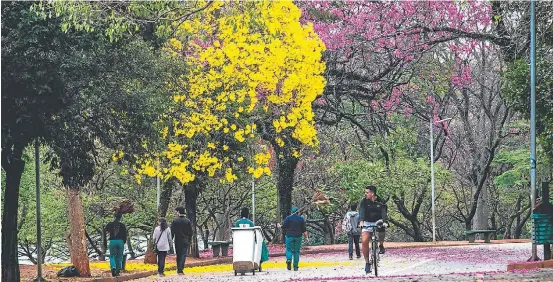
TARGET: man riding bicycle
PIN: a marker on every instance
(370, 211)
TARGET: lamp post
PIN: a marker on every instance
(533, 118)
(253, 193)
(432, 174)
(38, 228)
(158, 187)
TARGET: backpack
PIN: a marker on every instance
(346, 224)
(349, 224)
(69, 271)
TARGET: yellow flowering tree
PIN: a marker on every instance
(253, 71)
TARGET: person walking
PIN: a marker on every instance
(294, 227)
(244, 220)
(381, 230)
(182, 231)
(350, 226)
(163, 243)
(117, 240)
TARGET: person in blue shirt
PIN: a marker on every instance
(294, 227)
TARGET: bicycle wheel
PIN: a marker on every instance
(374, 256)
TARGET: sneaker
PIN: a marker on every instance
(288, 265)
(358, 257)
(180, 273)
(382, 250)
(113, 273)
(161, 275)
(367, 268)
(295, 269)
(350, 257)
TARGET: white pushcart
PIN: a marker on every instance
(246, 245)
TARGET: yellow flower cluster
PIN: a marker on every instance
(247, 61)
(117, 156)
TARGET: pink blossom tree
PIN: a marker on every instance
(408, 58)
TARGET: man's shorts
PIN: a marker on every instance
(368, 226)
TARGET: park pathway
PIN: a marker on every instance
(454, 263)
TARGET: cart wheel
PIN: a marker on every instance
(235, 273)
(253, 271)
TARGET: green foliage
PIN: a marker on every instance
(516, 87)
(513, 161)
(518, 175)
(73, 89)
(153, 20)
(403, 177)
(53, 208)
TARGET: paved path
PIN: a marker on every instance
(434, 264)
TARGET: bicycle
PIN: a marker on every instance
(375, 256)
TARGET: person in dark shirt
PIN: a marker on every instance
(117, 239)
(181, 231)
(370, 211)
(294, 226)
(381, 229)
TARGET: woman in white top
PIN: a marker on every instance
(162, 239)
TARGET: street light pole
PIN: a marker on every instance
(253, 193)
(432, 175)
(158, 184)
(533, 117)
(38, 228)
(253, 199)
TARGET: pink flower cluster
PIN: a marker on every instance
(390, 36)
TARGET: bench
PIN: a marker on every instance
(217, 246)
(471, 234)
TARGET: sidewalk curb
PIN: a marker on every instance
(530, 265)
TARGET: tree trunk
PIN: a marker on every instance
(508, 228)
(165, 197)
(482, 211)
(415, 230)
(14, 170)
(519, 227)
(104, 244)
(286, 165)
(129, 246)
(223, 234)
(98, 250)
(190, 200)
(330, 230)
(519, 202)
(150, 257)
(494, 226)
(79, 255)
(205, 237)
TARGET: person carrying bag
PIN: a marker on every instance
(162, 244)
